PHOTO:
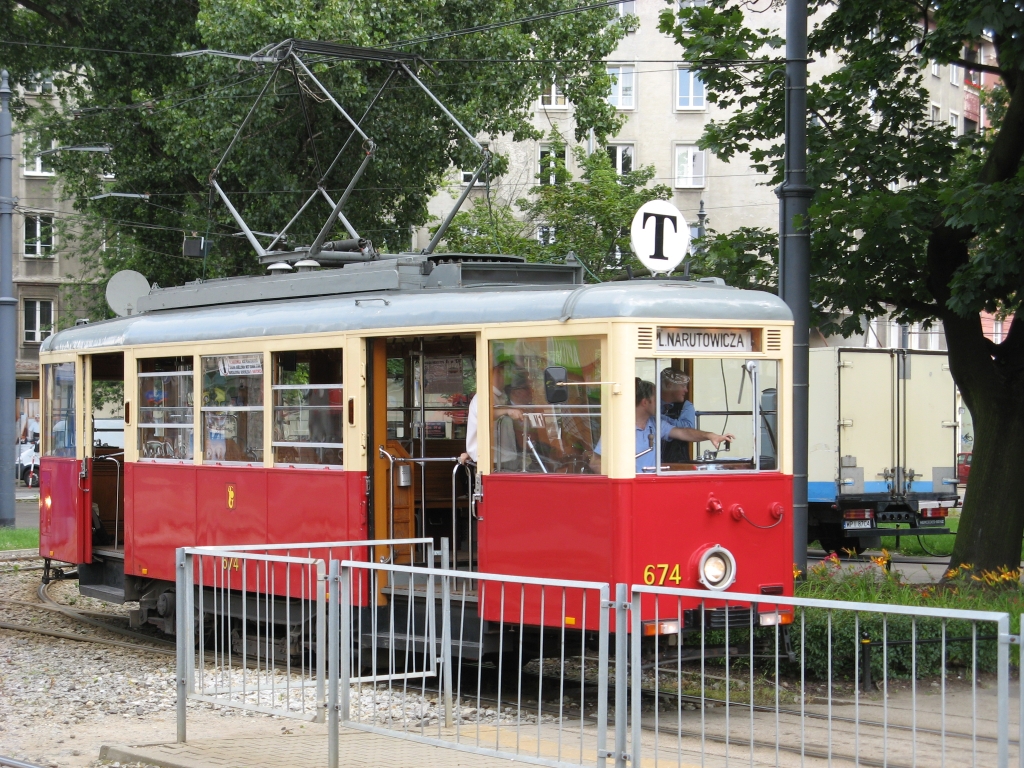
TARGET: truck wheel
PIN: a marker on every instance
(30, 478)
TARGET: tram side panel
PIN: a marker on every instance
(649, 530)
(160, 515)
(180, 506)
(550, 526)
(63, 524)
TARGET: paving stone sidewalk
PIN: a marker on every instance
(355, 749)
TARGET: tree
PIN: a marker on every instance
(589, 216)
(169, 119)
(905, 214)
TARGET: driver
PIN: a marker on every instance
(646, 410)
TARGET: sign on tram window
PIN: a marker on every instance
(59, 426)
(734, 340)
(232, 407)
(165, 409)
(706, 414)
(529, 433)
(309, 412)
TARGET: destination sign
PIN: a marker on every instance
(738, 340)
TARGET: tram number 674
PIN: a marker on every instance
(659, 574)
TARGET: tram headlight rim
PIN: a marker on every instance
(726, 558)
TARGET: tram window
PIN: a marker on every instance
(59, 424)
(233, 408)
(309, 399)
(165, 409)
(527, 433)
(711, 414)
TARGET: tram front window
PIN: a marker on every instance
(309, 399)
(711, 414)
(233, 408)
(527, 433)
(59, 427)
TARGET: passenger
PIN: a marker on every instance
(500, 410)
(645, 431)
(676, 411)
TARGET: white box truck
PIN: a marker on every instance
(882, 445)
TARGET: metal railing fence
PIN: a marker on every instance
(503, 686)
(249, 628)
(778, 680)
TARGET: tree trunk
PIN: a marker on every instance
(991, 381)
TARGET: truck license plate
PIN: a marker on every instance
(851, 524)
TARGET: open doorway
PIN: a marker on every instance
(419, 414)
(105, 447)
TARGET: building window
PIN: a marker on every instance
(689, 166)
(546, 235)
(548, 165)
(935, 69)
(39, 85)
(936, 114)
(36, 164)
(954, 122)
(955, 75)
(38, 320)
(692, 3)
(38, 235)
(627, 8)
(552, 97)
(970, 126)
(621, 156)
(623, 93)
(689, 90)
(971, 76)
(467, 176)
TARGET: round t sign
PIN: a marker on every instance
(660, 236)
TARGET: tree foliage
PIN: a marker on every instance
(906, 215)
(589, 216)
(168, 120)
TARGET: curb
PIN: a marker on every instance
(137, 754)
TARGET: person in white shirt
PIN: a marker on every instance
(500, 410)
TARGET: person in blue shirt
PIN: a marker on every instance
(646, 410)
(676, 411)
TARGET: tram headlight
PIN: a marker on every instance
(717, 568)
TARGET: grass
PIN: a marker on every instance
(19, 538)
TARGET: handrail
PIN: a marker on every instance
(455, 515)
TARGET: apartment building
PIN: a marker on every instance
(41, 263)
(666, 108)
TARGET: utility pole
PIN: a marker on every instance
(795, 256)
(8, 310)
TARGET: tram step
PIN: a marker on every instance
(102, 592)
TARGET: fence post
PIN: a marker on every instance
(637, 711)
(602, 679)
(345, 642)
(322, 592)
(621, 673)
(865, 663)
(1003, 691)
(446, 635)
(333, 639)
(181, 667)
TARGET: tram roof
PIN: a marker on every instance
(383, 310)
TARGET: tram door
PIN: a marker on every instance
(420, 393)
(104, 452)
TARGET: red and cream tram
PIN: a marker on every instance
(270, 409)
